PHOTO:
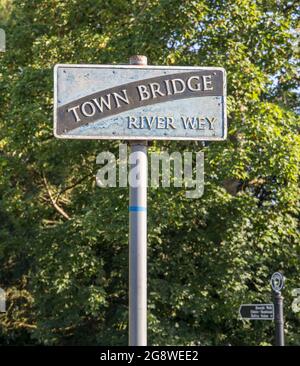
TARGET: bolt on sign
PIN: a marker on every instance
(139, 102)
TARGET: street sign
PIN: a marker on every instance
(139, 102)
(257, 311)
(132, 102)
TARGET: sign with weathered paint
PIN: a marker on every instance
(139, 102)
(257, 311)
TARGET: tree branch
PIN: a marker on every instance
(53, 201)
(72, 186)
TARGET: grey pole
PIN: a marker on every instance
(279, 322)
(138, 239)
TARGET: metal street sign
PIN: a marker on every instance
(257, 311)
(139, 102)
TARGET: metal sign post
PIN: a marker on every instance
(279, 323)
(277, 284)
(138, 239)
(137, 103)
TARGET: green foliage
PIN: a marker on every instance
(64, 242)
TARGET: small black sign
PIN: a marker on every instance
(257, 311)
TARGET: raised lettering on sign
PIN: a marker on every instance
(140, 93)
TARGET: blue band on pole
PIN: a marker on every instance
(137, 208)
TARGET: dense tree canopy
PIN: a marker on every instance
(64, 241)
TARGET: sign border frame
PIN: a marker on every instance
(139, 138)
(242, 318)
